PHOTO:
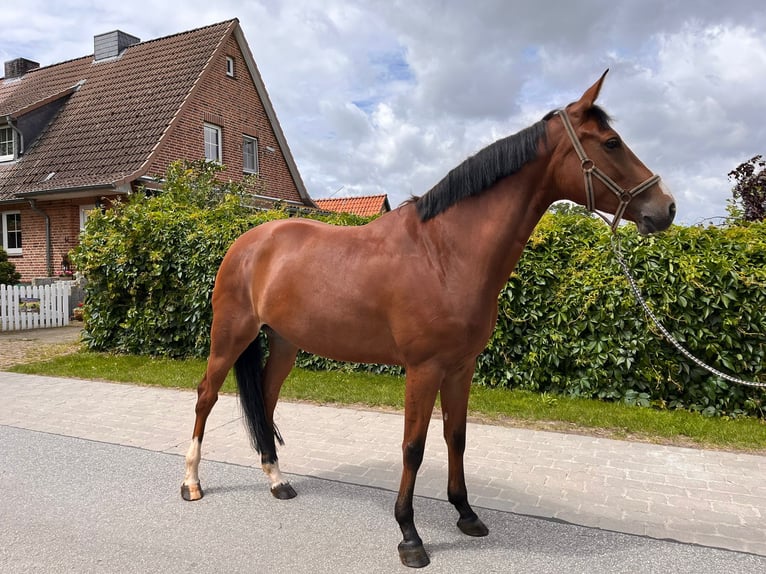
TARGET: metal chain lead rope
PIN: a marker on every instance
(661, 327)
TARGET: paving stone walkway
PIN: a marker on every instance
(710, 498)
(36, 344)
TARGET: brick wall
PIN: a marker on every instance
(65, 230)
(32, 261)
(234, 105)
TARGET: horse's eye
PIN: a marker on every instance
(612, 143)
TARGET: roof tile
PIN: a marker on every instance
(363, 205)
(107, 127)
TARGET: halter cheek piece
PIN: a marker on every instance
(589, 170)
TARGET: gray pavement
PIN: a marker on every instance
(77, 506)
(709, 498)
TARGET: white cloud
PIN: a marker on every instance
(387, 96)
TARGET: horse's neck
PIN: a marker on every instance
(489, 231)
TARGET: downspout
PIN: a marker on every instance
(48, 244)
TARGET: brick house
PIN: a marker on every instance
(364, 205)
(77, 134)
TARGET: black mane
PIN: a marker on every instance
(480, 171)
(496, 161)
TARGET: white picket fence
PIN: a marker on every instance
(34, 306)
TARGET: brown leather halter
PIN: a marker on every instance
(589, 170)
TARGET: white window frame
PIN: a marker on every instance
(12, 155)
(256, 164)
(230, 66)
(85, 211)
(213, 146)
(4, 229)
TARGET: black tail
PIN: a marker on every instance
(249, 372)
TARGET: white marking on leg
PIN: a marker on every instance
(193, 456)
(275, 476)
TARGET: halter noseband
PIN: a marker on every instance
(589, 169)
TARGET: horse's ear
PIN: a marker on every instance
(589, 97)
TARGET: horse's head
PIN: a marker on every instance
(598, 170)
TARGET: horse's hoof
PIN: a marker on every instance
(413, 555)
(191, 492)
(283, 491)
(472, 526)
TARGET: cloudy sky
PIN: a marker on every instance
(385, 96)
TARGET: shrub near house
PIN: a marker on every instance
(8, 273)
(567, 321)
(151, 261)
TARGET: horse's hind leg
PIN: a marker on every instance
(279, 364)
(225, 348)
(454, 401)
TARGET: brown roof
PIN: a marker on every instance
(364, 205)
(106, 132)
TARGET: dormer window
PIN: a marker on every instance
(7, 143)
(230, 66)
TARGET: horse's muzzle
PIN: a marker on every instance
(654, 223)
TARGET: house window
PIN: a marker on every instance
(213, 143)
(85, 211)
(7, 141)
(10, 225)
(230, 66)
(249, 155)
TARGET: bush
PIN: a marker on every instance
(567, 320)
(8, 273)
(150, 261)
(749, 192)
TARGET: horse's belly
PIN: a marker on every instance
(354, 341)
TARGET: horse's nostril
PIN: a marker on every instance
(672, 210)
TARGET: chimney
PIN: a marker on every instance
(18, 67)
(111, 44)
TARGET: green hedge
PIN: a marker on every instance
(150, 261)
(567, 322)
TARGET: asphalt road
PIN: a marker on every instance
(73, 505)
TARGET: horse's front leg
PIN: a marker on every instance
(454, 401)
(420, 394)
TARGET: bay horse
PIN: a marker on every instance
(417, 287)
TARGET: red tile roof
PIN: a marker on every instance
(365, 205)
(108, 127)
(116, 112)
